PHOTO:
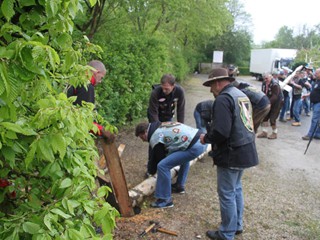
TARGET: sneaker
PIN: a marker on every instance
(307, 138)
(282, 120)
(289, 118)
(296, 124)
(175, 188)
(272, 136)
(262, 135)
(162, 203)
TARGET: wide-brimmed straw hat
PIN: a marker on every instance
(218, 74)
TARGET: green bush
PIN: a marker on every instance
(244, 71)
(46, 151)
(134, 64)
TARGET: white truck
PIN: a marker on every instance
(270, 60)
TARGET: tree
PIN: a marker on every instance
(46, 152)
(235, 41)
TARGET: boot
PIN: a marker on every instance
(262, 135)
(272, 136)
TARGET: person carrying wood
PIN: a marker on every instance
(87, 94)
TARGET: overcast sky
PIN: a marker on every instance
(269, 15)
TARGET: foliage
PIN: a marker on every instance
(137, 64)
(46, 151)
(235, 41)
(141, 41)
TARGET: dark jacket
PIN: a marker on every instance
(274, 92)
(228, 126)
(83, 93)
(162, 107)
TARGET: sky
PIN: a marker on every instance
(268, 16)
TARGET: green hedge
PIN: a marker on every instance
(244, 71)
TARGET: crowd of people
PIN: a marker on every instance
(229, 122)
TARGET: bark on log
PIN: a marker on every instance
(118, 179)
(147, 187)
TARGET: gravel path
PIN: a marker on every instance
(282, 194)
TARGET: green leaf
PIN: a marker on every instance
(28, 61)
(9, 155)
(92, 2)
(45, 149)
(52, 7)
(59, 144)
(66, 183)
(47, 220)
(89, 209)
(53, 57)
(7, 9)
(4, 83)
(30, 227)
(72, 204)
(64, 41)
(6, 53)
(60, 213)
(31, 154)
(34, 201)
(74, 234)
(25, 3)
(11, 135)
(18, 129)
(87, 231)
(103, 191)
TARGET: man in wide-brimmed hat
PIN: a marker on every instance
(233, 144)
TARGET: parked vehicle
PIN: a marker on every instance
(270, 60)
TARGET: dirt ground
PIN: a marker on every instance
(282, 194)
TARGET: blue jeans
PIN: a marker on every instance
(314, 120)
(296, 109)
(231, 201)
(182, 158)
(285, 107)
(306, 105)
(200, 124)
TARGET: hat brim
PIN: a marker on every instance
(211, 80)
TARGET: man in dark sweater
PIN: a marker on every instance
(164, 99)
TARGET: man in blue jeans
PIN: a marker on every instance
(314, 130)
(172, 144)
(233, 144)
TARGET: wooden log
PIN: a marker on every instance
(147, 187)
(118, 179)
